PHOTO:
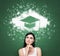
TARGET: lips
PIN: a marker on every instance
(28, 41)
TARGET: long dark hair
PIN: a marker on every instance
(33, 44)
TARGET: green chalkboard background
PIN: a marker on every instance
(10, 42)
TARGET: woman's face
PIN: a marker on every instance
(29, 39)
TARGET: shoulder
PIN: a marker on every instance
(38, 49)
(39, 53)
(20, 51)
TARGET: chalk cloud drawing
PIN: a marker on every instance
(21, 22)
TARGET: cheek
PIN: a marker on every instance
(25, 40)
(32, 41)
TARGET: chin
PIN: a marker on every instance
(28, 44)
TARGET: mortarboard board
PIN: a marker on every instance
(29, 21)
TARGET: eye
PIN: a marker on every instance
(31, 37)
(27, 37)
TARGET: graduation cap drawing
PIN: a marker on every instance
(30, 21)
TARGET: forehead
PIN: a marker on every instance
(30, 35)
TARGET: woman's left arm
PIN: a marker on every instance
(39, 53)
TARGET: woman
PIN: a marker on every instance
(29, 48)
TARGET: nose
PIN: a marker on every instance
(28, 39)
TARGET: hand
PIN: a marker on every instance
(28, 48)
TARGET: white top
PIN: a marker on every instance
(34, 53)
